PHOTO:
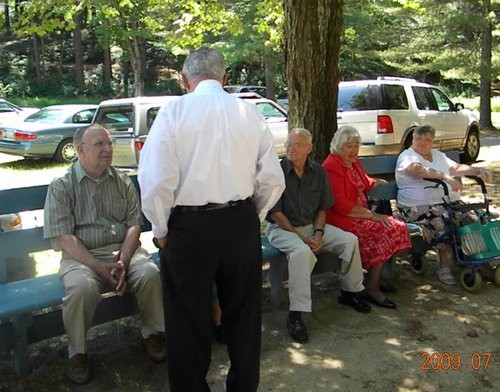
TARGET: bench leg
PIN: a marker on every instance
(21, 357)
(278, 272)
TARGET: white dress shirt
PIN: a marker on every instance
(207, 147)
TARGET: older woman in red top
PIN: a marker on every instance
(380, 236)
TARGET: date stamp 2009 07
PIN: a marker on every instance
(457, 361)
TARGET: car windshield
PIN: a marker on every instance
(47, 116)
(6, 107)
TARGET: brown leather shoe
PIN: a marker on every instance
(78, 369)
(155, 347)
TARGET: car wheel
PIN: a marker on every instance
(471, 150)
(66, 151)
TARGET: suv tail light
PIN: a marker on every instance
(384, 124)
(24, 136)
(138, 145)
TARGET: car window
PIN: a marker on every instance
(150, 117)
(424, 98)
(5, 107)
(268, 110)
(259, 90)
(116, 119)
(47, 116)
(230, 89)
(393, 97)
(443, 102)
(357, 98)
(84, 116)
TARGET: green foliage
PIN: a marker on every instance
(431, 40)
(41, 102)
(472, 103)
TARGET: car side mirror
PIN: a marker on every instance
(459, 106)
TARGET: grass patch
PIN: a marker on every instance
(32, 164)
(473, 103)
(40, 102)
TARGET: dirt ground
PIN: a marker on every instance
(440, 338)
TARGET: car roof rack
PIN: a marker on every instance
(396, 78)
(247, 95)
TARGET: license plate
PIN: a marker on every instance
(8, 134)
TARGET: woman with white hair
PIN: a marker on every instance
(380, 236)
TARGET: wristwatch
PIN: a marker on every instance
(320, 230)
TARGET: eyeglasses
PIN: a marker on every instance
(100, 144)
(295, 145)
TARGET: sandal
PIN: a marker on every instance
(445, 276)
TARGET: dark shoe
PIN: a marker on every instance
(220, 336)
(387, 288)
(78, 369)
(155, 347)
(353, 300)
(386, 303)
(297, 330)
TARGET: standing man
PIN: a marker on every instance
(208, 171)
(297, 228)
(92, 213)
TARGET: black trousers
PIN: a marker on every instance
(221, 246)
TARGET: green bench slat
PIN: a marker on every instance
(22, 242)
(19, 199)
(387, 191)
(383, 164)
(26, 295)
(269, 251)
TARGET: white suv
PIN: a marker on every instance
(129, 119)
(387, 110)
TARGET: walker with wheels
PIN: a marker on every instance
(475, 246)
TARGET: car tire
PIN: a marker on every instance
(66, 152)
(471, 149)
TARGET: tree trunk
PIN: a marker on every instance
(141, 42)
(107, 71)
(485, 70)
(136, 60)
(270, 76)
(78, 51)
(6, 10)
(39, 63)
(312, 44)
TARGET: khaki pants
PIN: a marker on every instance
(83, 289)
(301, 261)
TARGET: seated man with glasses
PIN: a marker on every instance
(92, 214)
(297, 228)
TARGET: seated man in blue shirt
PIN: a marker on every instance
(297, 228)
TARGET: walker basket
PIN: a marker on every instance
(480, 241)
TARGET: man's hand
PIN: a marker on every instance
(160, 243)
(121, 275)
(315, 243)
(112, 273)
